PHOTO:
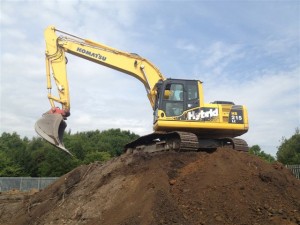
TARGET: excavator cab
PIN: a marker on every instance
(176, 96)
(180, 106)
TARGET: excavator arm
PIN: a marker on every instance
(52, 125)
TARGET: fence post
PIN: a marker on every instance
(21, 183)
(295, 169)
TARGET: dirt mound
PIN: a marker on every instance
(222, 187)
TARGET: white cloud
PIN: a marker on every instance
(186, 46)
(219, 55)
(14, 34)
(279, 46)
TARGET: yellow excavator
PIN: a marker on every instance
(182, 121)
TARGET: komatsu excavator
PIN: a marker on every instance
(182, 121)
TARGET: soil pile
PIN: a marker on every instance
(221, 187)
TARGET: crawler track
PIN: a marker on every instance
(240, 144)
(182, 142)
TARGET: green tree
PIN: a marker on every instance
(8, 168)
(12, 149)
(36, 157)
(55, 163)
(289, 150)
(97, 156)
(256, 150)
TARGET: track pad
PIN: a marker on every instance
(51, 127)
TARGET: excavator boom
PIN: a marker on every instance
(52, 125)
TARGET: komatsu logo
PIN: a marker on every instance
(203, 114)
(91, 54)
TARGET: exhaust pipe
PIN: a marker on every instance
(51, 128)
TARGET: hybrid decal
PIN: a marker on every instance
(91, 54)
(202, 114)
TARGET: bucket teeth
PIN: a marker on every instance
(51, 127)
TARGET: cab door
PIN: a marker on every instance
(178, 96)
(173, 99)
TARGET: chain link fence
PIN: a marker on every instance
(38, 183)
(25, 183)
(295, 170)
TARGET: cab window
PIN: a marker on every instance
(174, 103)
(173, 92)
(192, 90)
(174, 108)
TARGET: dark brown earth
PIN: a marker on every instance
(220, 187)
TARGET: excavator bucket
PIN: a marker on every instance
(51, 127)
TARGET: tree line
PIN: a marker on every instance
(37, 158)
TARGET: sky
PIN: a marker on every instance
(247, 52)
